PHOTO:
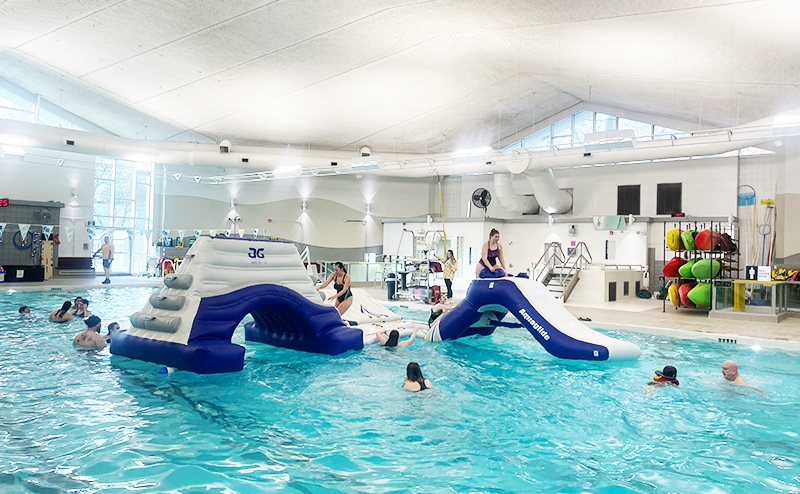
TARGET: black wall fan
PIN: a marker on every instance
(481, 198)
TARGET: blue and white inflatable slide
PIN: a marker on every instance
(488, 301)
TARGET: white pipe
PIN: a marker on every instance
(510, 200)
(551, 199)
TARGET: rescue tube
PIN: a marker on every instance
(671, 268)
(685, 271)
(688, 239)
(701, 295)
(705, 269)
(706, 240)
(673, 239)
(674, 297)
(683, 293)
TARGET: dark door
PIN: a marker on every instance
(612, 291)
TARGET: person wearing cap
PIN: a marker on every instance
(90, 339)
(666, 377)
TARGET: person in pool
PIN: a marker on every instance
(62, 315)
(491, 255)
(341, 283)
(112, 328)
(24, 310)
(392, 338)
(666, 377)
(438, 309)
(81, 308)
(90, 339)
(415, 381)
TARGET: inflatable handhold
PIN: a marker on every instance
(674, 297)
(671, 268)
(687, 237)
(486, 273)
(701, 295)
(166, 371)
(706, 240)
(685, 271)
(683, 294)
(705, 269)
(673, 239)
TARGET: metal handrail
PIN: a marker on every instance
(551, 253)
(580, 262)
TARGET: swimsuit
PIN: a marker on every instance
(434, 316)
(491, 256)
(338, 287)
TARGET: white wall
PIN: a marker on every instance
(274, 207)
(25, 180)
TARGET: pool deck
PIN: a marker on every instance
(635, 314)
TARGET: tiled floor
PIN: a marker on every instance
(633, 314)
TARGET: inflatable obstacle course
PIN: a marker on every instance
(553, 326)
(189, 323)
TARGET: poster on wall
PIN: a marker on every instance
(611, 250)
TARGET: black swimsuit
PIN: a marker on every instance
(338, 287)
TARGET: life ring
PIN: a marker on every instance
(14, 240)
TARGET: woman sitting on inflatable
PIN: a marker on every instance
(491, 264)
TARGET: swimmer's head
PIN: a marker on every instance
(66, 306)
(340, 266)
(494, 234)
(93, 322)
(24, 310)
(730, 370)
(443, 298)
(394, 336)
(112, 327)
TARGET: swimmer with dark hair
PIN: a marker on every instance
(62, 315)
(415, 381)
(666, 377)
(89, 339)
(341, 283)
(392, 338)
(438, 309)
(24, 310)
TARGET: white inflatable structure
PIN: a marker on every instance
(189, 323)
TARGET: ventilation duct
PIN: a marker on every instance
(551, 199)
(509, 199)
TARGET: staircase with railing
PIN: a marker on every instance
(560, 273)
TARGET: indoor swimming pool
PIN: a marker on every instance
(503, 417)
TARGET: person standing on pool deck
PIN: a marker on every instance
(449, 271)
(341, 283)
(90, 339)
(108, 257)
(491, 254)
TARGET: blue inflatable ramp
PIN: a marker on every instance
(554, 327)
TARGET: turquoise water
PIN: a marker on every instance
(503, 417)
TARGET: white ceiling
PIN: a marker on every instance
(409, 76)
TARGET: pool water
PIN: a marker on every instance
(503, 417)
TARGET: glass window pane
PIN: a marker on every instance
(562, 142)
(104, 168)
(18, 115)
(123, 222)
(539, 139)
(562, 127)
(103, 220)
(123, 183)
(142, 196)
(605, 122)
(583, 126)
(642, 131)
(102, 198)
(663, 132)
(141, 224)
(142, 177)
(123, 209)
(513, 146)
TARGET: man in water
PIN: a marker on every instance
(24, 310)
(90, 339)
(731, 373)
(108, 257)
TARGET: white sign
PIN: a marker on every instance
(764, 273)
(23, 231)
(213, 233)
(197, 233)
(255, 232)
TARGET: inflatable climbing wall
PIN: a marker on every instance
(189, 323)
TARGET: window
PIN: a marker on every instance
(626, 288)
(668, 198)
(123, 210)
(605, 122)
(642, 131)
(562, 133)
(584, 121)
(628, 199)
